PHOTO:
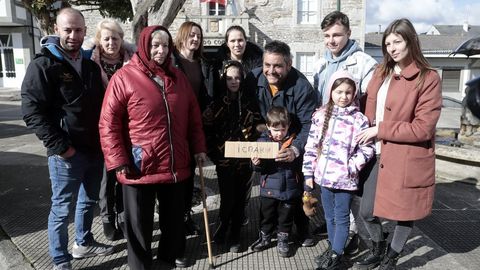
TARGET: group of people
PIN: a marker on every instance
(127, 126)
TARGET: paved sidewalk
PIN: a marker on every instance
(448, 239)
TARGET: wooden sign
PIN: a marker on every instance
(251, 149)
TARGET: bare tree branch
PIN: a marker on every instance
(166, 13)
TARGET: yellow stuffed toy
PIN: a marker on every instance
(309, 204)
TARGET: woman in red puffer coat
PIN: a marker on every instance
(150, 121)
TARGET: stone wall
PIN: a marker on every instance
(267, 20)
(276, 20)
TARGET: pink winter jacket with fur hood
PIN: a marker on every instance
(342, 157)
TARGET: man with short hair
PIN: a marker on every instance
(277, 83)
(342, 53)
(62, 95)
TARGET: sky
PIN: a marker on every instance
(422, 13)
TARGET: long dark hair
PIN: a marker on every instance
(405, 29)
(329, 110)
(235, 28)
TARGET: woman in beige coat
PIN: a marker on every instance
(403, 105)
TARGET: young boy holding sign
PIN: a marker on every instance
(281, 185)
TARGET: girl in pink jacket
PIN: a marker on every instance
(333, 160)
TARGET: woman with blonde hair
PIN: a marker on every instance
(110, 52)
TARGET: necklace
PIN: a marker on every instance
(110, 69)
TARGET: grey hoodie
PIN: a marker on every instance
(352, 59)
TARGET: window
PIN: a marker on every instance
(215, 8)
(307, 11)
(1, 65)
(305, 63)
(5, 41)
(451, 80)
(7, 62)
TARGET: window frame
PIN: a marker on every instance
(313, 9)
(305, 63)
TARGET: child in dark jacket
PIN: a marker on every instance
(231, 117)
(281, 185)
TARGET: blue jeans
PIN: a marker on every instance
(336, 205)
(78, 176)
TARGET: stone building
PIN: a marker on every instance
(296, 22)
(19, 40)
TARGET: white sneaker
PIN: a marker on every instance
(94, 249)
(63, 266)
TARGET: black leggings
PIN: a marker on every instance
(372, 223)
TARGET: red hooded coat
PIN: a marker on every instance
(149, 127)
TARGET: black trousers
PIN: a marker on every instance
(139, 202)
(189, 185)
(254, 179)
(273, 212)
(233, 183)
(110, 198)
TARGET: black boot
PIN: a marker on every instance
(282, 244)
(191, 228)
(263, 242)
(390, 260)
(122, 230)
(322, 257)
(110, 231)
(375, 257)
(332, 261)
(234, 239)
(353, 242)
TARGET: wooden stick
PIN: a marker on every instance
(205, 216)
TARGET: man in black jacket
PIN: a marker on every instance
(277, 83)
(62, 94)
